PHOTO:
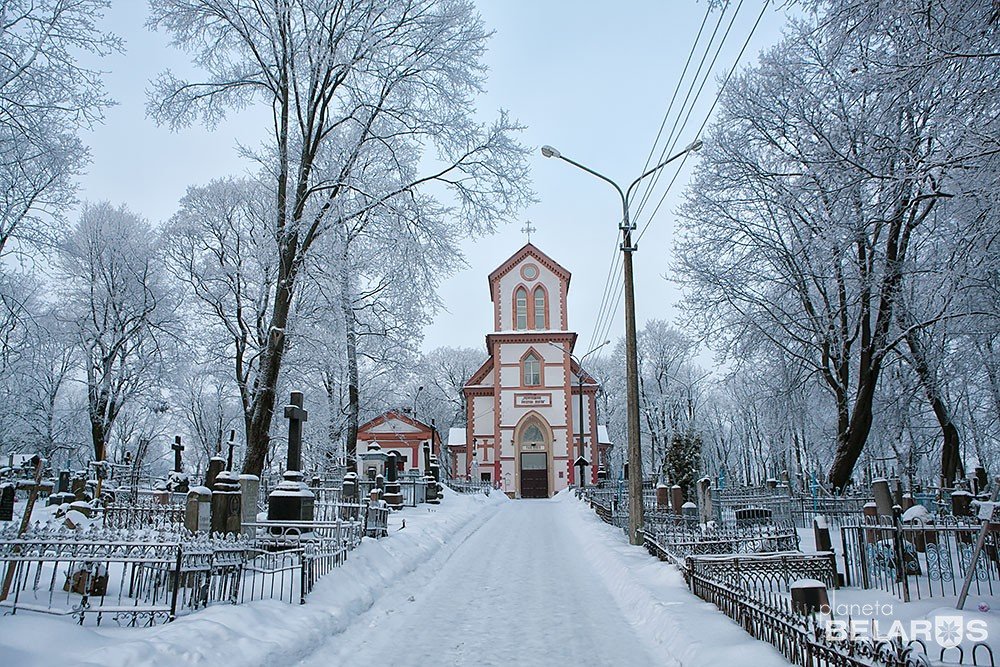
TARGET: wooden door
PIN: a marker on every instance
(534, 475)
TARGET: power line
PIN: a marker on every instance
(708, 115)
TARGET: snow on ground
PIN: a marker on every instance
(259, 632)
(545, 582)
(475, 581)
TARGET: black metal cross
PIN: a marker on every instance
(178, 448)
(232, 444)
(295, 414)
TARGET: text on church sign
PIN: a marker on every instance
(533, 400)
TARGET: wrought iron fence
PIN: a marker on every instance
(144, 513)
(138, 579)
(919, 559)
(470, 486)
(677, 543)
(764, 572)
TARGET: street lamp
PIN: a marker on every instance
(581, 461)
(632, 365)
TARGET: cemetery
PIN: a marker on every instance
(788, 561)
(101, 548)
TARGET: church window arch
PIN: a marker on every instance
(538, 306)
(520, 308)
(531, 370)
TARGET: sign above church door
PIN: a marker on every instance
(533, 400)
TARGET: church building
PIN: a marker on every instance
(523, 404)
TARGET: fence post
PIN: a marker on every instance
(177, 585)
(897, 535)
(305, 563)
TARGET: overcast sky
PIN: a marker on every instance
(591, 78)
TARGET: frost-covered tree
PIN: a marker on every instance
(371, 114)
(831, 164)
(46, 96)
(119, 308)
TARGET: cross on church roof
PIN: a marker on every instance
(527, 229)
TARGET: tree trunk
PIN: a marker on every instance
(258, 435)
(951, 461)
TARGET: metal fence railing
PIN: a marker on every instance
(136, 579)
(920, 559)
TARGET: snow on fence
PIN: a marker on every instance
(141, 578)
(770, 572)
(919, 559)
(469, 486)
(144, 513)
(677, 543)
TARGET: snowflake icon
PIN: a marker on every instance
(948, 630)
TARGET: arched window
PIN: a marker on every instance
(521, 308)
(538, 296)
(531, 374)
(532, 434)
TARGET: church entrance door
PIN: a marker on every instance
(534, 475)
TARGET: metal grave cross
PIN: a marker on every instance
(527, 229)
(178, 448)
(295, 414)
(232, 445)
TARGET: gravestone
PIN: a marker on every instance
(821, 533)
(198, 513)
(981, 478)
(78, 486)
(7, 502)
(961, 503)
(63, 486)
(216, 464)
(676, 499)
(227, 510)
(883, 497)
(250, 492)
(432, 490)
(393, 492)
(350, 487)
(809, 596)
(690, 512)
(706, 512)
(380, 483)
(662, 496)
(292, 500)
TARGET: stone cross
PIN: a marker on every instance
(178, 448)
(295, 414)
(232, 444)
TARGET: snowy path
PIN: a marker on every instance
(515, 592)
(474, 581)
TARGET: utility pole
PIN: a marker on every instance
(635, 508)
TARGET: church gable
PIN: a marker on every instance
(529, 292)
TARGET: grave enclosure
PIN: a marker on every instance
(741, 549)
(143, 555)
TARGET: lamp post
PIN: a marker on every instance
(581, 461)
(631, 361)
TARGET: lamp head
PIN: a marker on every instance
(694, 147)
(548, 151)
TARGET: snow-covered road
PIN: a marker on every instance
(518, 591)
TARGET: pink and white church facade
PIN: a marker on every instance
(523, 404)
